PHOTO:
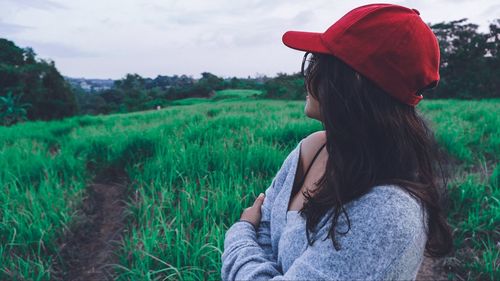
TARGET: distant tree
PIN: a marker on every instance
(211, 81)
(113, 98)
(183, 81)
(285, 86)
(493, 41)
(246, 83)
(29, 55)
(39, 82)
(58, 100)
(134, 92)
(93, 104)
(10, 54)
(493, 60)
(234, 83)
(469, 60)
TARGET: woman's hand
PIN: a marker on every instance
(252, 214)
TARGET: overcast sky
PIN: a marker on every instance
(109, 38)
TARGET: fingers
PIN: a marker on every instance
(259, 200)
(252, 214)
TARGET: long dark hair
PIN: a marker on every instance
(372, 139)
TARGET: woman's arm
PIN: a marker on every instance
(386, 240)
(243, 243)
(304, 150)
(243, 257)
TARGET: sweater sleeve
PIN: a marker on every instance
(264, 228)
(243, 257)
(245, 246)
(384, 226)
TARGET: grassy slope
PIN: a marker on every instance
(470, 131)
(195, 167)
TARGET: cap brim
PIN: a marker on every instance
(305, 41)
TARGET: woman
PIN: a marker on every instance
(368, 202)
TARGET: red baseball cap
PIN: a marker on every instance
(388, 44)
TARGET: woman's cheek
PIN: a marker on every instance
(311, 109)
(307, 109)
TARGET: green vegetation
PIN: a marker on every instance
(194, 168)
(469, 69)
(224, 94)
(33, 81)
(470, 131)
(12, 110)
(221, 96)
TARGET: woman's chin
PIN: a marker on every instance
(312, 116)
(308, 114)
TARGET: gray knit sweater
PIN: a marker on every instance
(386, 240)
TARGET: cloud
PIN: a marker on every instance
(36, 4)
(9, 29)
(491, 12)
(50, 50)
(236, 24)
(110, 38)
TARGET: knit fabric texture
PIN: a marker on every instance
(386, 239)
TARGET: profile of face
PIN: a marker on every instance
(311, 108)
(312, 104)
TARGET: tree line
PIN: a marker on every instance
(33, 89)
(134, 93)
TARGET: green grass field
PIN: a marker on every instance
(193, 167)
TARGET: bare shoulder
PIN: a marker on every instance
(314, 141)
(310, 145)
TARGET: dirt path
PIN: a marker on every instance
(89, 250)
